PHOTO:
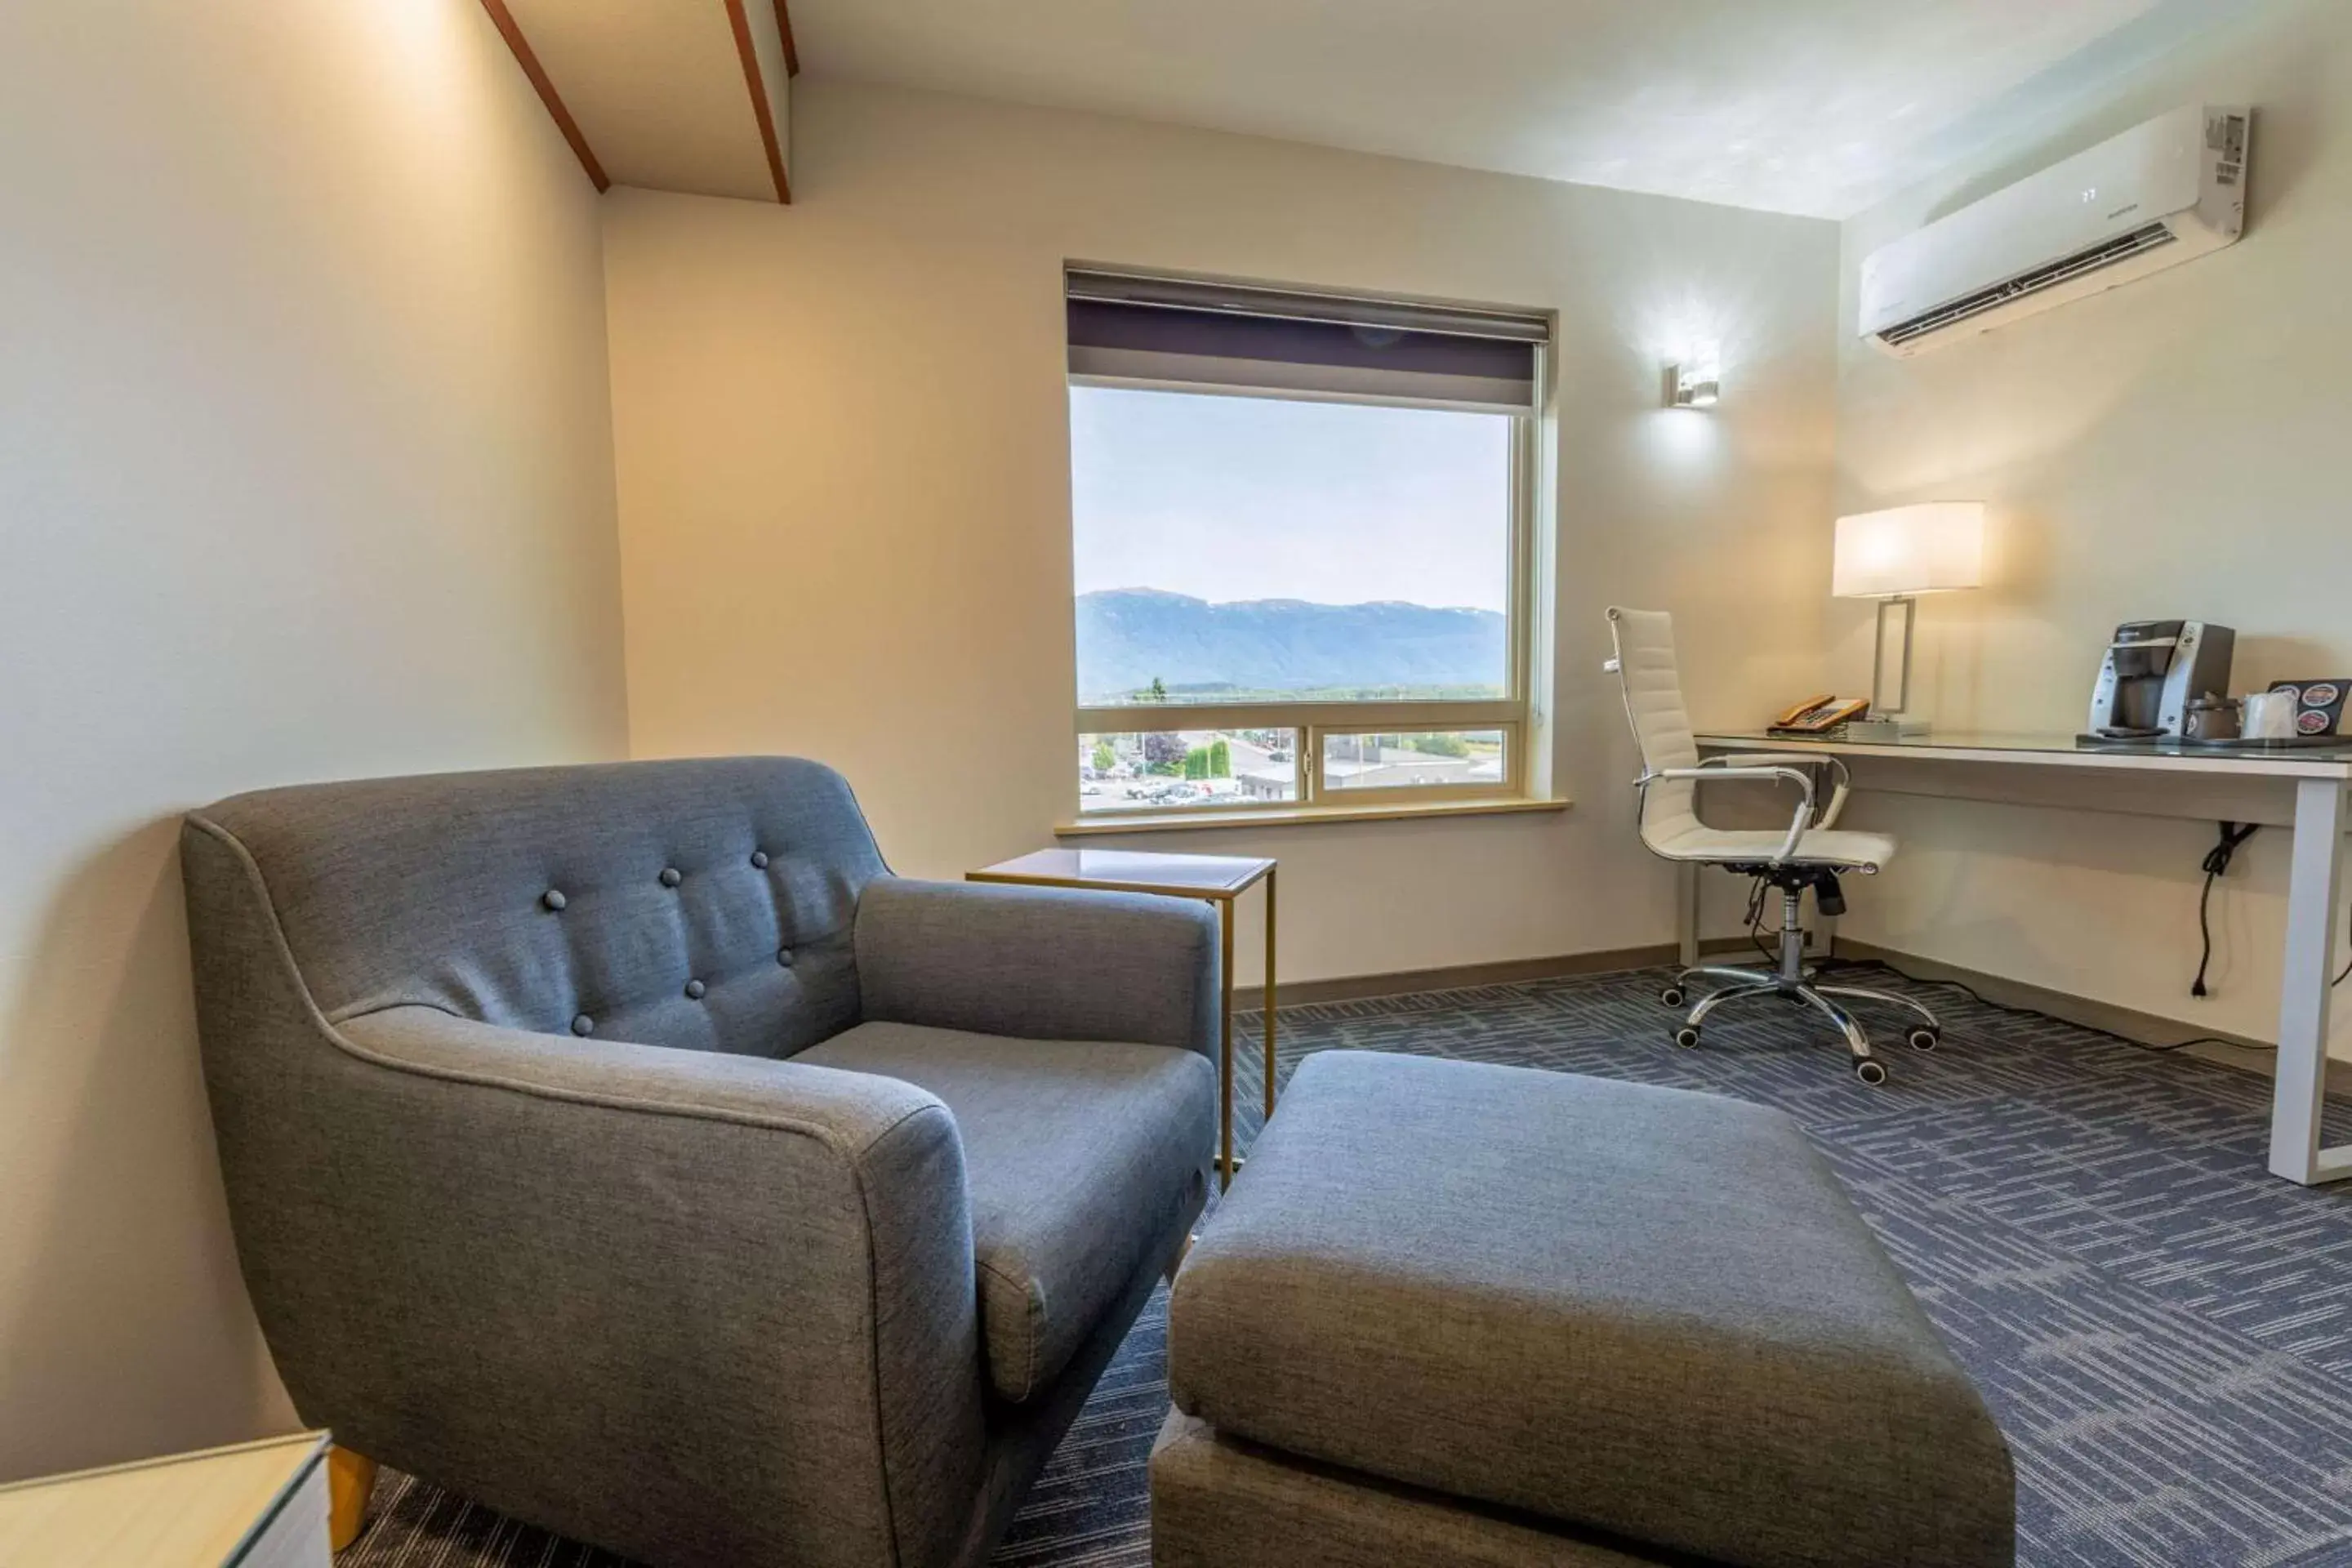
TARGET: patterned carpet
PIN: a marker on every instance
(2164, 1332)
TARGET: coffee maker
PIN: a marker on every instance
(2151, 670)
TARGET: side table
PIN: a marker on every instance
(1219, 879)
(255, 1503)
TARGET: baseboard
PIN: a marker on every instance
(1467, 976)
(2218, 1046)
(2147, 1028)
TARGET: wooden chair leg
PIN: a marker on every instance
(351, 1478)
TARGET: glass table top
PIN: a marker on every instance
(1134, 870)
(2335, 748)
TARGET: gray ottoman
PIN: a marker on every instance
(1458, 1314)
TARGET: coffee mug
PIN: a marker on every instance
(2269, 716)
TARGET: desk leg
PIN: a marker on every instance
(1225, 1044)
(1266, 988)
(1686, 912)
(2315, 886)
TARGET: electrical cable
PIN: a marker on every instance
(2216, 863)
(1756, 891)
(1983, 1001)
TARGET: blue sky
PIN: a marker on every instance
(1256, 498)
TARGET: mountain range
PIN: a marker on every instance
(1130, 636)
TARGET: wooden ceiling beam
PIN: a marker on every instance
(753, 79)
(791, 50)
(503, 19)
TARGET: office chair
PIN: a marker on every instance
(1811, 853)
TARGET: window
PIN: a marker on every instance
(1301, 537)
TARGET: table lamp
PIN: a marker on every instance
(1894, 556)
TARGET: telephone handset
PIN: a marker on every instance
(1819, 715)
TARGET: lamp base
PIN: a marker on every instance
(1884, 729)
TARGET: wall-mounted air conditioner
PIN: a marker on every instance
(2164, 192)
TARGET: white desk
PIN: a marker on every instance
(2303, 787)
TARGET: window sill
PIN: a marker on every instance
(1298, 817)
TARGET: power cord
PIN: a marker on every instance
(2216, 863)
(1756, 890)
(1983, 1001)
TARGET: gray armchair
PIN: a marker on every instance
(624, 1147)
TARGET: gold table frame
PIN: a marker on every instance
(1218, 879)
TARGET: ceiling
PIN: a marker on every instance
(676, 95)
(1816, 107)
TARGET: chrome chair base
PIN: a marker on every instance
(1793, 982)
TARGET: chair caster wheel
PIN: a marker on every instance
(1870, 1072)
(1925, 1039)
(1672, 996)
(1686, 1037)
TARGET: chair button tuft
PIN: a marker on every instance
(760, 858)
(784, 956)
(553, 898)
(581, 1024)
(670, 878)
(694, 988)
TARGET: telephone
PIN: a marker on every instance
(1818, 716)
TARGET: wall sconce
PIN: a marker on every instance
(1692, 387)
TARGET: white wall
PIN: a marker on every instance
(2175, 447)
(304, 471)
(843, 451)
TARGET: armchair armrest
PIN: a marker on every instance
(1047, 963)
(750, 1268)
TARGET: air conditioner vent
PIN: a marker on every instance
(2121, 248)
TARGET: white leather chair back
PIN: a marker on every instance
(1662, 728)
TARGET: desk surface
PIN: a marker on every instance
(1131, 870)
(2064, 751)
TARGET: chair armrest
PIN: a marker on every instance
(734, 1262)
(1043, 963)
(1708, 774)
(1842, 787)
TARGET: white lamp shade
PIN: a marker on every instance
(1925, 549)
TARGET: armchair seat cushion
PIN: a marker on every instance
(1078, 1157)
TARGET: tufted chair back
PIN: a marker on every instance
(1661, 727)
(703, 903)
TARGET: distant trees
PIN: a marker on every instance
(1104, 759)
(1440, 745)
(1163, 753)
(1157, 691)
(1213, 760)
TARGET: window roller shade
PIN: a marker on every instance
(1164, 331)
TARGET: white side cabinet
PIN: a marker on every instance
(252, 1505)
